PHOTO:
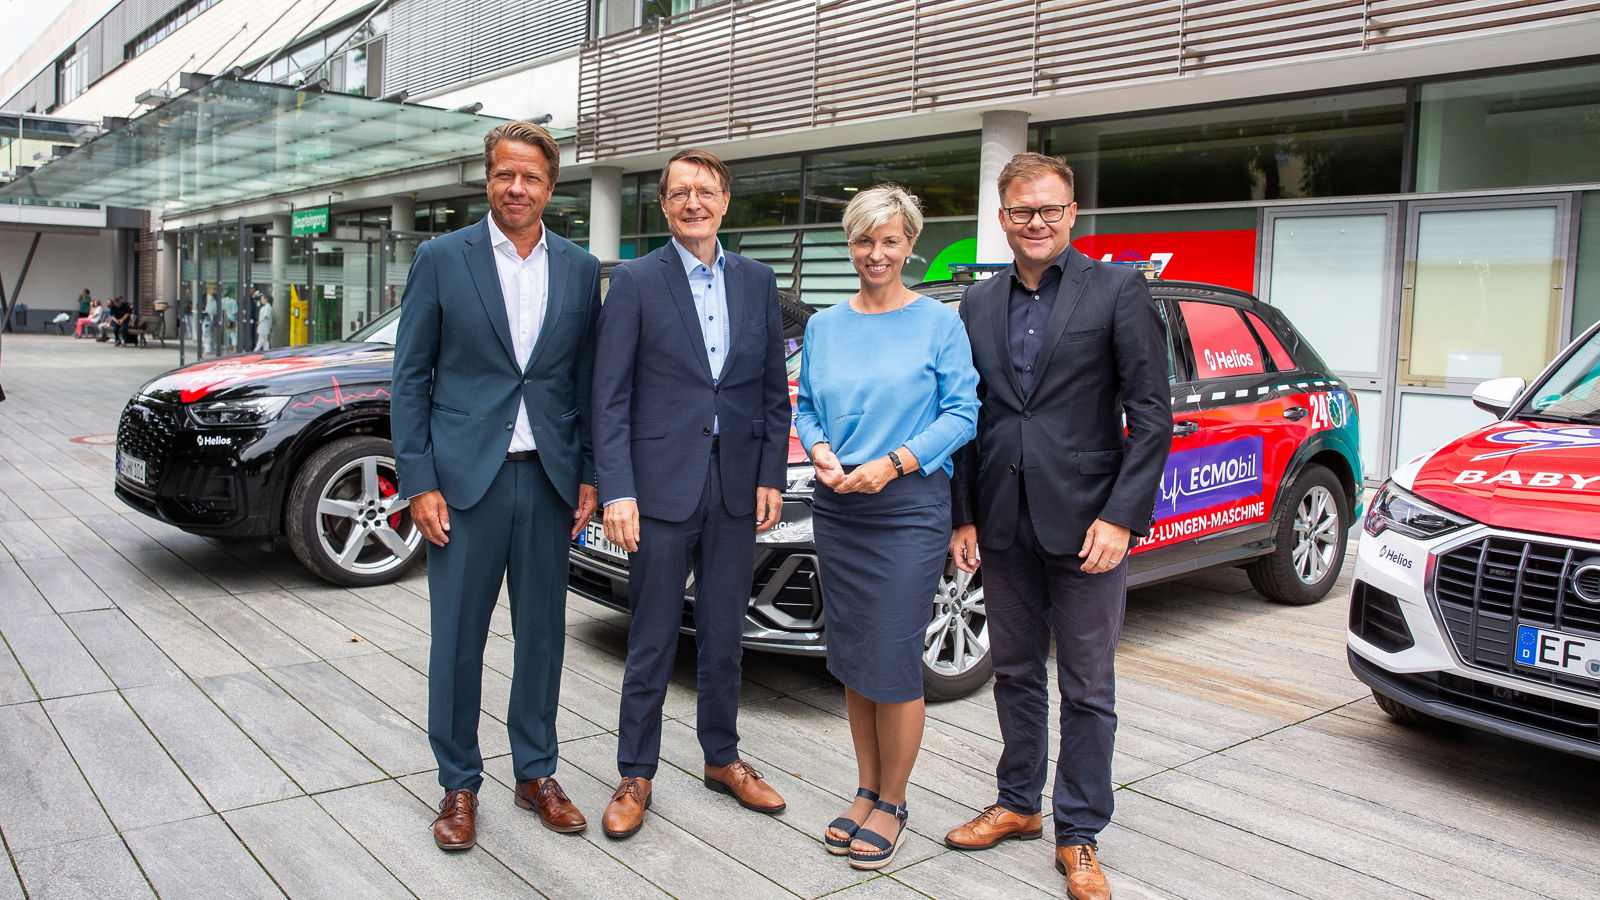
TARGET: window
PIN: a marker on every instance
(180, 16)
(1518, 130)
(1317, 147)
(1280, 357)
(72, 77)
(943, 173)
(1222, 345)
(349, 55)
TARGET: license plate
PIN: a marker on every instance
(130, 467)
(593, 537)
(1558, 652)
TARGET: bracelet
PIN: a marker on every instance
(895, 458)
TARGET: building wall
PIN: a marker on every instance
(63, 265)
(40, 56)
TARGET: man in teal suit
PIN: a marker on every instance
(490, 419)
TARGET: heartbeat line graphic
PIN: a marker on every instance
(340, 398)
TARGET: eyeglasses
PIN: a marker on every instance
(1022, 215)
(681, 195)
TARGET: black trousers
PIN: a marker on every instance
(1030, 595)
(721, 551)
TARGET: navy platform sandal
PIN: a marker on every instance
(884, 855)
(847, 825)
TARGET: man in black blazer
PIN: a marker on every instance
(490, 418)
(1052, 493)
(691, 405)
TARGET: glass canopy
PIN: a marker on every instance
(236, 140)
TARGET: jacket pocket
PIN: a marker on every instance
(570, 414)
(646, 431)
(1085, 335)
(1099, 462)
(449, 409)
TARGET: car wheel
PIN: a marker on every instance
(1402, 713)
(346, 519)
(955, 655)
(1311, 541)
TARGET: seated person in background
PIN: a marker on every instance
(91, 318)
(120, 317)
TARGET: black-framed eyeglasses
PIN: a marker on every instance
(1022, 215)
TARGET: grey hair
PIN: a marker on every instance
(876, 207)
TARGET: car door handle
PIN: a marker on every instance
(1184, 428)
(1296, 413)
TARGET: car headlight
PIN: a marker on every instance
(254, 411)
(1399, 509)
(802, 481)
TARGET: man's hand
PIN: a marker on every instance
(964, 547)
(622, 524)
(829, 472)
(432, 516)
(588, 499)
(1103, 547)
(769, 507)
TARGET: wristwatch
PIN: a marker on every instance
(894, 457)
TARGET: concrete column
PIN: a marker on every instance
(402, 216)
(605, 212)
(403, 213)
(169, 279)
(282, 223)
(1005, 134)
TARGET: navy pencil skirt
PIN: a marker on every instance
(881, 556)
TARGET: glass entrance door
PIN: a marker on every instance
(1331, 272)
(1480, 299)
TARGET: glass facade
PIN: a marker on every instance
(1510, 130)
(943, 172)
(1331, 146)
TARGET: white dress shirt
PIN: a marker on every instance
(525, 286)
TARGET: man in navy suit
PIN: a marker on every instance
(1073, 435)
(490, 419)
(691, 405)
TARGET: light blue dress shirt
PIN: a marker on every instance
(870, 383)
(709, 287)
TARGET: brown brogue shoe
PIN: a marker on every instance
(625, 813)
(746, 786)
(992, 826)
(1081, 865)
(545, 797)
(457, 825)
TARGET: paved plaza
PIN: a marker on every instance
(189, 718)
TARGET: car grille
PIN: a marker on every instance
(147, 431)
(1485, 588)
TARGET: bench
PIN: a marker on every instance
(140, 332)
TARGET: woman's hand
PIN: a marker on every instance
(868, 478)
(829, 472)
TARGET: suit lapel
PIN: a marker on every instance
(1074, 278)
(733, 287)
(1001, 319)
(555, 296)
(678, 289)
(486, 278)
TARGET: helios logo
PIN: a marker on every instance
(1223, 360)
(1395, 556)
(213, 440)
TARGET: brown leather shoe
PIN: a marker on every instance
(745, 784)
(625, 813)
(457, 825)
(544, 796)
(1085, 881)
(992, 826)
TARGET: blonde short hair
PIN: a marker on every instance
(876, 207)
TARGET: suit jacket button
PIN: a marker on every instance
(1012, 469)
(508, 426)
(705, 431)
(1026, 414)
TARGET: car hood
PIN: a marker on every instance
(1528, 476)
(284, 372)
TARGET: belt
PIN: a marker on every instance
(522, 456)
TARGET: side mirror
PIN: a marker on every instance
(1496, 395)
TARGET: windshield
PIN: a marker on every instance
(1573, 390)
(380, 330)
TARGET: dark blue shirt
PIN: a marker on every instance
(1029, 311)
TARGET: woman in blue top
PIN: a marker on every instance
(887, 393)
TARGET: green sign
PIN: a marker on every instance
(309, 221)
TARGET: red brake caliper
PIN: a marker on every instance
(386, 488)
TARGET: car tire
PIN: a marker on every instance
(1311, 535)
(956, 660)
(1402, 713)
(346, 521)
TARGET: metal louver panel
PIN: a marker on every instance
(747, 70)
(437, 43)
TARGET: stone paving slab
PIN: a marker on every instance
(167, 699)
